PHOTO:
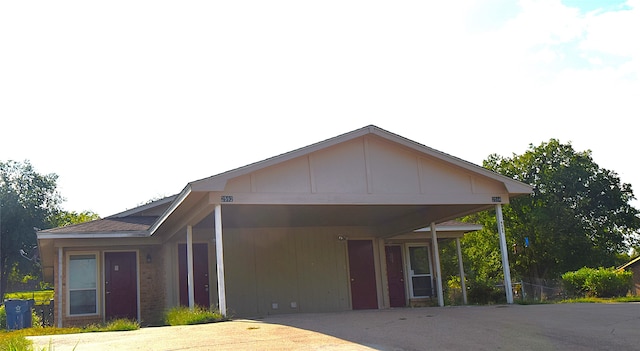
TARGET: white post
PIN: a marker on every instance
(463, 285)
(190, 267)
(222, 298)
(505, 254)
(60, 293)
(436, 258)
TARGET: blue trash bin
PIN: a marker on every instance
(18, 313)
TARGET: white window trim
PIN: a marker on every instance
(409, 271)
(68, 276)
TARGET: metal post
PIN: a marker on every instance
(190, 267)
(222, 298)
(463, 285)
(505, 254)
(436, 257)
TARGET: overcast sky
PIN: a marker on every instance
(131, 100)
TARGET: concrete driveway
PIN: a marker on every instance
(513, 327)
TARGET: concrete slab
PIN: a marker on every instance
(533, 327)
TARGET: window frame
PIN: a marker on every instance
(410, 271)
(69, 256)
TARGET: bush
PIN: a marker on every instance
(483, 293)
(601, 282)
(185, 316)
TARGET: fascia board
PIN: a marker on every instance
(93, 235)
(176, 203)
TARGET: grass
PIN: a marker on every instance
(602, 299)
(186, 316)
(16, 340)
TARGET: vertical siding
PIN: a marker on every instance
(300, 270)
(322, 272)
(240, 273)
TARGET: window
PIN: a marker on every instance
(82, 283)
(420, 271)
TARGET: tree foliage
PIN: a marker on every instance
(578, 215)
(27, 202)
(64, 218)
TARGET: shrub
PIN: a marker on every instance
(574, 283)
(601, 282)
(185, 316)
(483, 293)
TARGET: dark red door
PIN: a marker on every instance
(362, 273)
(395, 276)
(121, 287)
(200, 274)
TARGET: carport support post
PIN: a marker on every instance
(190, 267)
(505, 254)
(222, 298)
(436, 257)
(463, 285)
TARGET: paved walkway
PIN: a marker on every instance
(515, 327)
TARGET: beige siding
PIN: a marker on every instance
(362, 166)
(393, 169)
(340, 169)
(294, 178)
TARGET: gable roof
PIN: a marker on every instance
(109, 227)
(145, 220)
(219, 181)
(129, 223)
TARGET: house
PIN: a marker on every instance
(328, 227)
(634, 267)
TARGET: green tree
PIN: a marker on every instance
(578, 215)
(64, 218)
(27, 202)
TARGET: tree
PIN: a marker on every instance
(27, 202)
(578, 215)
(64, 218)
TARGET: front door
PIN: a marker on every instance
(120, 285)
(200, 274)
(362, 273)
(395, 276)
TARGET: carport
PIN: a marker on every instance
(369, 185)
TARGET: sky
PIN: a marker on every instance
(128, 101)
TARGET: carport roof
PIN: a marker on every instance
(134, 222)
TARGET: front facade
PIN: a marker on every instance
(330, 227)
